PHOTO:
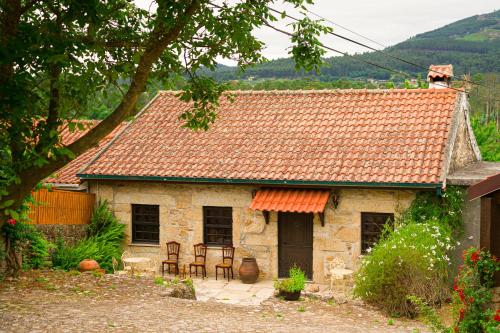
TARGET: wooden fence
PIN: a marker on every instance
(61, 207)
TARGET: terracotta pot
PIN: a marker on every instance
(290, 295)
(88, 265)
(249, 271)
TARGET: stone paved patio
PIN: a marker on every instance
(233, 292)
(70, 302)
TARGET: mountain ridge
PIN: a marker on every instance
(471, 44)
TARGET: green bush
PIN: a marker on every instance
(103, 243)
(296, 282)
(29, 242)
(38, 254)
(487, 137)
(472, 298)
(411, 260)
(102, 219)
(446, 210)
(473, 293)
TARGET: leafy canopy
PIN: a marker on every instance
(55, 56)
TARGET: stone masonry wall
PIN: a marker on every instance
(463, 153)
(181, 219)
(71, 233)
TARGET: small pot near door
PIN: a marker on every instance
(249, 270)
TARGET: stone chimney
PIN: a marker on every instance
(439, 76)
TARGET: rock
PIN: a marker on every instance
(312, 288)
(179, 290)
(327, 295)
(340, 299)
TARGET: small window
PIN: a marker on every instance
(218, 225)
(146, 224)
(371, 228)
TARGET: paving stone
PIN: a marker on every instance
(84, 303)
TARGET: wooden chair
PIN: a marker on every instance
(227, 262)
(200, 259)
(172, 258)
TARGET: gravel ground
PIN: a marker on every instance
(48, 301)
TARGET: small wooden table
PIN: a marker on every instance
(136, 263)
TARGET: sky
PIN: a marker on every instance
(385, 21)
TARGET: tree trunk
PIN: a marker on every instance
(13, 259)
(158, 42)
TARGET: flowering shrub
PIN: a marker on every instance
(473, 293)
(27, 242)
(446, 210)
(411, 260)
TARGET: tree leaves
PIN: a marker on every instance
(56, 56)
(307, 50)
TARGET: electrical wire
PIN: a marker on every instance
(369, 47)
(359, 59)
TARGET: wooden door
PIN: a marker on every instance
(295, 243)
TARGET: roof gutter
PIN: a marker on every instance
(258, 181)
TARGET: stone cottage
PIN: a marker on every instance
(287, 177)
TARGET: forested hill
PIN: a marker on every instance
(472, 45)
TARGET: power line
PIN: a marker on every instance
(377, 50)
(345, 53)
(341, 52)
(369, 47)
(347, 29)
(358, 59)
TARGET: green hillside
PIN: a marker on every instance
(472, 45)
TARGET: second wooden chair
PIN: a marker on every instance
(227, 262)
(200, 259)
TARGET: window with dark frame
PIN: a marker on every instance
(218, 225)
(372, 225)
(146, 224)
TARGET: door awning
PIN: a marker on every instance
(290, 200)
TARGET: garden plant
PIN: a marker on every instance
(472, 297)
(291, 287)
(103, 242)
(412, 257)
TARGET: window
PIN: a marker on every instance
(218, 225)
(371, 227)
(146, 224)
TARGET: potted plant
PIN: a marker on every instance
(291, 287)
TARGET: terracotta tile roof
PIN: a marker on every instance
(383, 136)
(440, 71)
(290, 200)
(67, 174)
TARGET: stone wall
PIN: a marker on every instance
(463, 153)
(71, 233)
(181, 219)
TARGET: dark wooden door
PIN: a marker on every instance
(295, 242)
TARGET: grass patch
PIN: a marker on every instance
(159, 281)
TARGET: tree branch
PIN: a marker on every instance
(156, 46)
